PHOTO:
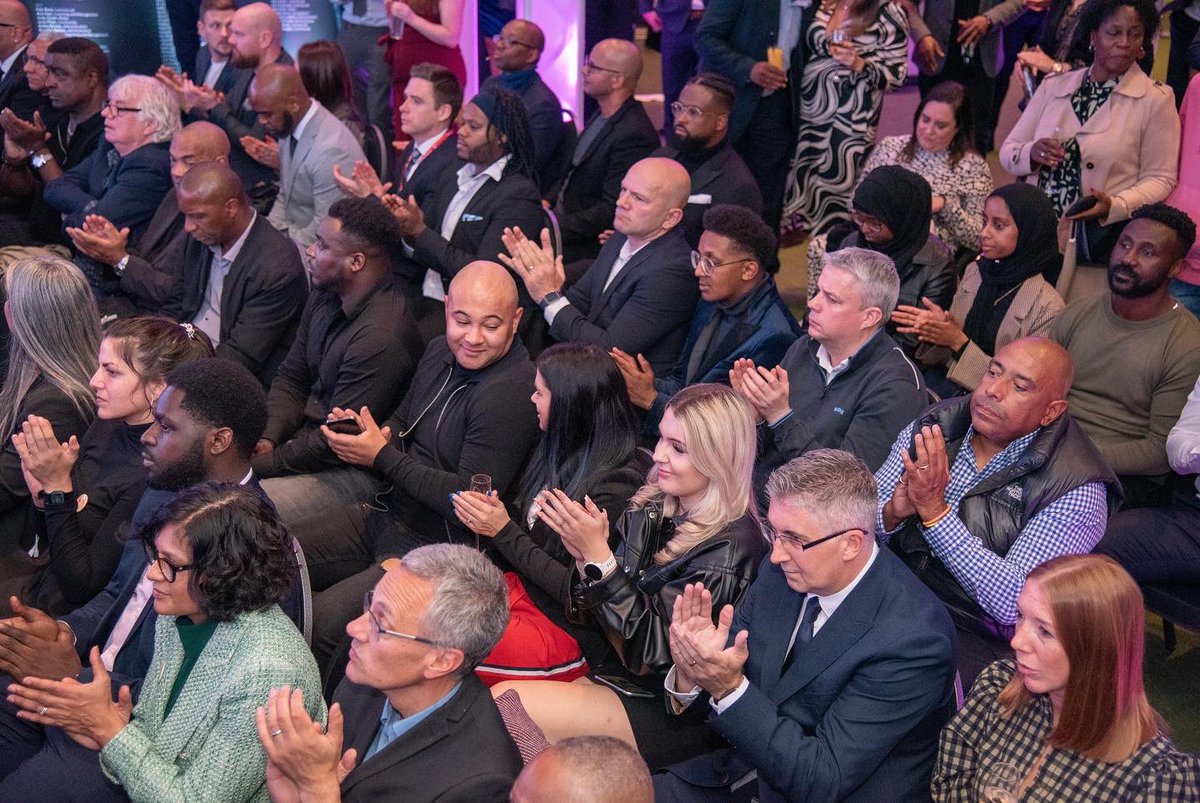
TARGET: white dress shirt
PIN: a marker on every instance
(623, 256)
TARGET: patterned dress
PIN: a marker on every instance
(965, 187)
(839, 114)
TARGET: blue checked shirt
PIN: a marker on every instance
(1071, 524)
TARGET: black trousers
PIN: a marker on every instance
(1157, 544)
(766, 147)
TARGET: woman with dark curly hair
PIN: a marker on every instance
(220, 561)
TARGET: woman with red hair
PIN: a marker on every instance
(1068, 719)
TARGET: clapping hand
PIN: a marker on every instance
(264, 151)
(362, 181)
(927, 476)
(639, 378)
(85, 711)
(22, 137)
(932, 325)
(407, 212)
(767, 390)
(360, 449)
(698, 646)
(540, 270)
(34, 645)
(482, 515)
(304, 760)
(100, 239)
(45, 459)
(583, 528)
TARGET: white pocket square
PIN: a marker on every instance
(468, 218)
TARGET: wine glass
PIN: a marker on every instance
(481, 483)
(837, 37)
(1001, 783)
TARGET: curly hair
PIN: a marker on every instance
(1095, 12)
(242, 557)
(1174, 219)
(746, 230)
(368, 224)
(223, 393)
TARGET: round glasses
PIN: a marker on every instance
(707, 266)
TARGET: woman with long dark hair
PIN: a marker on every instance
(326, 76)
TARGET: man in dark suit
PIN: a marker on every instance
(719, 176)
(676, 21)
(518, 48)
(414, 720)
(256, 41)
(213, 61)
(16, 32)
(242, 283)
(206, 423)
(614, 138)
(733, 39)
(466, 218)
(836, 674)
(639, 294)
(150, 271)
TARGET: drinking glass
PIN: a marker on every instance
(481, 483)
(1001, 783)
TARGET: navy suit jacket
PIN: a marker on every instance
(646, 308)
(725, 179)
(15, 93)
(857, 714)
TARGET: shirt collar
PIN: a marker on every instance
(7, 64)
(392, 719)
(1006, 456)
(236, 248)
(494, 171)
(308, 115)
(830, 603)
(424, 145)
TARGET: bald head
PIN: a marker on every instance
(278, 98)
(653, 195)
(585, 769)
(255, 36)
(211, 182)
(260, 18)
(669, 177)
(529, 33)
(621, 55)
(278, 81)
(482, 315)
(17, 30)
(1025, 387)
(195, 143)
(1056, 369)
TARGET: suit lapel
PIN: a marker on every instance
(786, 614)
(204, 683)
(627, 270)
(233, 279)
(302, 149)
(161, 223)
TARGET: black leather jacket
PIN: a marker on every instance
(634, 605)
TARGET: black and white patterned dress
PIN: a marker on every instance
(839, 115)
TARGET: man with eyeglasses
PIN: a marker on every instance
(983, 488)
(411, 721)
(617, 135)
(518, 48)
(835, 675)
(740, 314)
(16, 32)
(719, 176)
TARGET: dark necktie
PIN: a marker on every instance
(410, 163)
(804, 633)
(360, 8)
(696, 359)
(291, 146)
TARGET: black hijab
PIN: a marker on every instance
(903, 200)
(1036, 253)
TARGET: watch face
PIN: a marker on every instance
(592, 571)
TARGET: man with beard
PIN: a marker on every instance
(312, 141)
(1136, 353)
(206, 423)
(980, 489)
(255, 42)
(37, 151)
(719, 176)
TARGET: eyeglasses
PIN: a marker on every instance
(867, 222)
(11, 25)
(377, 629)
(165, 567)
(707, 266)
(773, 536)
(509, 41)
(117, 110)
(691, 112)
(588, 66)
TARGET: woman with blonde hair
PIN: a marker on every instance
(54, 336)
(1067, 719)
(693, 521)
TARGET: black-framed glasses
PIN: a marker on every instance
(165, 567)
(509, 41)
(867, 222)
(377, 629)
(117, 110)
(707, 266)
(588, 66)
(692, 112)
(773, 536)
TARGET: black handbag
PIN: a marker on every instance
(1094, 242)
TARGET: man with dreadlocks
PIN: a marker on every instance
(464, 221)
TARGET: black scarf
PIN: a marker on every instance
(903, 200)
(1036, 251)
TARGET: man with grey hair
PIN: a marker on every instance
(126, 178)
(414, 720)
(585, 769)
(836, 674)
(846, 384)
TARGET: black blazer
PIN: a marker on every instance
(588, 197)
(460, 752)
(434, 169)
(228, 77)
(155, 265)
(647, 308)
(725, 179)
(15, 93)
(261, 301)
(545, 123)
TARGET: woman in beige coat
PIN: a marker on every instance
(1002, 296)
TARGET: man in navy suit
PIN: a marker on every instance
(677, 21)
(16, 32)
(206, 423)
(836, 674)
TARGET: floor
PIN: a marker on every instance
(1171, 680)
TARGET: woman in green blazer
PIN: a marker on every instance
(220, 560)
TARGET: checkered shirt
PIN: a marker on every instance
(977, 738)
(1071, 524)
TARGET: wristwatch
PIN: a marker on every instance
(595, 572)
(549, 298)
(119, 268)
(55, 498)
(39, 159)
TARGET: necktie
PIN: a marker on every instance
(291, 146)
(410, 164)
(804, 633)
(360, 8)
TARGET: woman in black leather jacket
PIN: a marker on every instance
(692, 522)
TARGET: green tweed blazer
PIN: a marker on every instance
(208, 749)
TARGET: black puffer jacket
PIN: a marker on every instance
(634, 605)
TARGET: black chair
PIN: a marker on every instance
(377, 150)
(560, 162)
(1176, 603)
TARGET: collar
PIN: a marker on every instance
(627, 251)
(390, 717)
(7, 64)
(494, 171)
(424, 146)
(830, 603)
(298, 131)
(1004, 457)
(693, 159)
(1134, 83)
(358, 308)
(826, 362)
(853, 358)
(518, 81)
(749, 300)
(236, 248)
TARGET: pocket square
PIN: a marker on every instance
(469, 218)
(702, 198)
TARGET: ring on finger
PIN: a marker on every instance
(276, 732)
(43, 711)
